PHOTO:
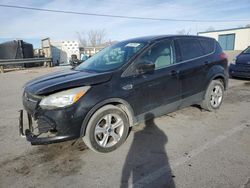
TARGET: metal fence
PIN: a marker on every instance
(9, 62)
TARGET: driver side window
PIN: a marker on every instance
(161, 54)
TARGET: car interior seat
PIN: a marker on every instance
(164, 59)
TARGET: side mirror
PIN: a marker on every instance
(145, 67)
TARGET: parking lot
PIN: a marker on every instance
(188, 148)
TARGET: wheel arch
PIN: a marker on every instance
(222, 79)
(124, 105)
(217, 73)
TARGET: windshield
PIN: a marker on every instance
(247, 51)
(111, 57)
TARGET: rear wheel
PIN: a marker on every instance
(107, 129)
(214, 96)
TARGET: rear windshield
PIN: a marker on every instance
(246, 51)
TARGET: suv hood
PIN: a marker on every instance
(66, 79)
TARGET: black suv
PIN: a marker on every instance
(103, 97)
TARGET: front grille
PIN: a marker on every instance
(45, 124)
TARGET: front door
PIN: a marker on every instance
(157, 92)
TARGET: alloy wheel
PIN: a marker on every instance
(109, 130)
(216, 96)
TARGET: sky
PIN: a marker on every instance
(32, 26)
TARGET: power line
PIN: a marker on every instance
(117, 16)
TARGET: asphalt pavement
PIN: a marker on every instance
(189, 148)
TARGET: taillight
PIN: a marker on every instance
(223, 55)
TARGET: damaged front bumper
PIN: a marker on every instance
(42, 137)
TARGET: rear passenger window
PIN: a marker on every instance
(207, 45)
(190, 48)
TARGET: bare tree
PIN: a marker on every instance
(92, 37)
(96, 37)
(82, 38)
(210, 28)
(183, 32)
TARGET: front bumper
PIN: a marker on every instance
(45, 136)
(239, 71)
(46, 126)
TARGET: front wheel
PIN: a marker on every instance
(107, 129)
(214, 96)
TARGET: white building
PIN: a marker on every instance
(236, 39)
(69, 47)
(61, 51)
(56, 52)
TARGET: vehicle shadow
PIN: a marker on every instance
(146, 157)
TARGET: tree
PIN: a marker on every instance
(93, 37)
(82, 38)
(96, 37)
(210, 28)
(183, 32)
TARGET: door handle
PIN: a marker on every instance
(174, 73)
(206, 63)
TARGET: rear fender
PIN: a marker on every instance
(217, 72)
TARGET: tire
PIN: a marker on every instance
(214, 96)
(101, 134)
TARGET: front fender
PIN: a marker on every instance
(128, 109)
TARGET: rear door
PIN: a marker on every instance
(193, 70)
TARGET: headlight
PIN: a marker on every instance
(234, 60)
(64, 98)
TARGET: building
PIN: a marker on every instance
(56, 51)
(38, 53)
(232, 41)
(60, 51)
(46, 50)
(69, 48)
(92, 50)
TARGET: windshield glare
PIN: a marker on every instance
(112, 57)
(247, 51)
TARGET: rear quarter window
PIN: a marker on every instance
(208, 45)
(190, 48)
